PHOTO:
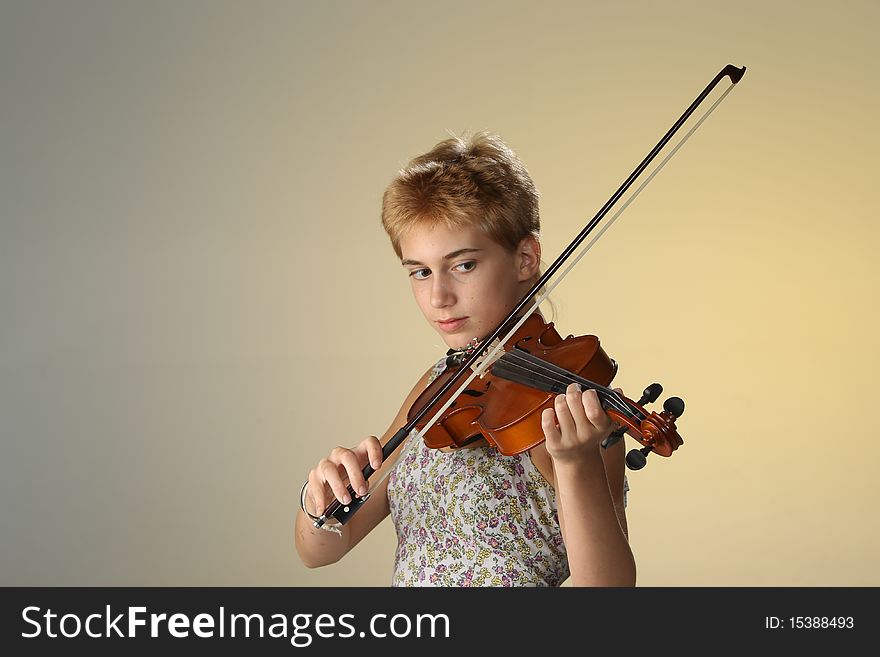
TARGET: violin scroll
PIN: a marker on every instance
(656, 431)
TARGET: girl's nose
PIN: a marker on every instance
(441, 293)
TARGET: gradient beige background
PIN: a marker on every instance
(198, 301)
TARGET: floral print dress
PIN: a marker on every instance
(473, 517)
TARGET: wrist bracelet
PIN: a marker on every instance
(302, 501)
(335, 528)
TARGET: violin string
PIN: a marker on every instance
(612, 396)
(538, 365)
(549, 372)
(532, 374)
(553, 372)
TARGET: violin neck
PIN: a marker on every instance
(521, 367)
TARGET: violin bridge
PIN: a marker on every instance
(484, 363)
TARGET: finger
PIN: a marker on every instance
(352, 465)
(548, 424)
(563, 415)
(574, 397)
(372, 449)
(315, 491)
(594, 412)
(330, 472)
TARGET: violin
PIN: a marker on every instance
(538, 361)
(504, 405)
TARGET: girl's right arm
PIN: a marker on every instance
(330, 478)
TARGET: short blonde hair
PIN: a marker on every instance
(478, 181)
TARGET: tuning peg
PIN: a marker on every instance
(650, 394)
(674, 406)
(636, 458)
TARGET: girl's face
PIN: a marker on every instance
(464, 282)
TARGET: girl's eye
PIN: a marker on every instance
(466, 266)
(420, 274)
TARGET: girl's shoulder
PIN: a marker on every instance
(437, 369)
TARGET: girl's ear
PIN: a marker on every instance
(528, 257)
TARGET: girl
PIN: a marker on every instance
(463, 220)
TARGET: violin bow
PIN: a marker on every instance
(343, 512)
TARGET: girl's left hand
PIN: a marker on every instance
(576, 425)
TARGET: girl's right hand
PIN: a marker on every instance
(342, 466)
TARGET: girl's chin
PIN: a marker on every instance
(454, 341)
(459, 339)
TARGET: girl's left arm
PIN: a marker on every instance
(590, 516)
